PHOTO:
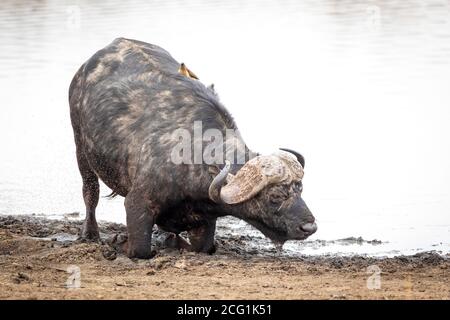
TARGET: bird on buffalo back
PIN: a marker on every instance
(186, 72)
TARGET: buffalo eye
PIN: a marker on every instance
(298, 187)
(275, 200)
(279, 196)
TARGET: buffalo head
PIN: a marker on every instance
(267, 194)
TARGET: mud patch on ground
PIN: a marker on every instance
(37, 257)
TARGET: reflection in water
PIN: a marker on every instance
(361, 88)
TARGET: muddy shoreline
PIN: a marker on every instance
(35, 254)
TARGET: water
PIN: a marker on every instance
(361, 88)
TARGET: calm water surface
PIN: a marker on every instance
(361, 88)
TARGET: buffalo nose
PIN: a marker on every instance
(309, 227)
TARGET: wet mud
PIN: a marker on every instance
(38, 257)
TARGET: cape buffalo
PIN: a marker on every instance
(128, 103)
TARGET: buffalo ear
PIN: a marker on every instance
(299, 157)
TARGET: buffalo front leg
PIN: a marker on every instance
(202, 238)
(140, 219)
(91, 192)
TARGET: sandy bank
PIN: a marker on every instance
(35, 254)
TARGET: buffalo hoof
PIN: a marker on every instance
(90, 233)
(140, 253)
(209, 250)
(176, 241)
(119, 243)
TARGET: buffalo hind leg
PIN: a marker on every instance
(91, 192)
(140, 220)
(202, 238)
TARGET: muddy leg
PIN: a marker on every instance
(140, 220)
(202, 238)
(91, 191)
